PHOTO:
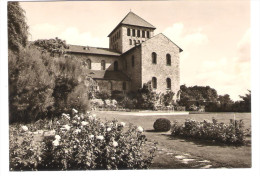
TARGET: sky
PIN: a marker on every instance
(214, 35)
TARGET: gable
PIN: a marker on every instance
(133, 20)
(160, 37)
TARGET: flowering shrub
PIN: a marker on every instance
(82, 142)
(23, 156)
(162, 124)
(233, 133)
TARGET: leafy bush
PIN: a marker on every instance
(167, 98)
(30, 86)
(117, 95)
(23, 156)
(128, 103)
(162, 124)
(78, 98)
(82, 142)
(104, 94)
(180, 108)
(146, 98)
(233, 133)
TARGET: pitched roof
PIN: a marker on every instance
(92, 50)
(133, 20)
(165, 37)
(108, 75)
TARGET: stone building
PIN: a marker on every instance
(135, 56)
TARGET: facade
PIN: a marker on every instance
(135, 56)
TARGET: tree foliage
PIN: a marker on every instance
(30, 86)
(52, 46)
(17, 27)
(197, 93)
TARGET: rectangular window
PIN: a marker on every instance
(143, 34)
(148, 34)
(133, 31)
(128, 31)
(130, 42)
(138, 33)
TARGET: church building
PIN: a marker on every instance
(135, 56)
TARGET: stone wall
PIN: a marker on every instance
(161, 45)
(96, 61)
(111, 85)
(133, 72)
(123, 41)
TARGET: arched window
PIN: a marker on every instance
(133, 61)
(143, 34)
(103, 65)
(124, 85)
(115, 66)
(138, 33)
(148, 34)
(133, 32)
(128, 31)
(89, 64)
(154, 83)
(130, 42)
(169, 83)
(154, 58)
(168, 60)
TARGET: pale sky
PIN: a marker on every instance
(215, 35)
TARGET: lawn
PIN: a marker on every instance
(219, 155)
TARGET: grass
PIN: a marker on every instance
(220, 155)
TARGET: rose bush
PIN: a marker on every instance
(232, 133)
(82, 142)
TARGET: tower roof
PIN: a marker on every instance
(133, 20)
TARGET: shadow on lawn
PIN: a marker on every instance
(203, 143)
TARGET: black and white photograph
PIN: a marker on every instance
(130, 85)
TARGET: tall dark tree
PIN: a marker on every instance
(17, 27)
(246, 101)
(225, 102)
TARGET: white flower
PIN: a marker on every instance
(91, 117)
(83, 123)
(100, 137)
(55, 143)
(113, 158)
(57, 137)
(66, 127)
(91, 136)
(67, 116)
(94, 115)
(77, 117)
(140, 129)
(74, 111)
(108, 129)
(24, 128)
(115, 144)
(88, 112)
(77, 131)
(74, 122)
(58, 122)
(122, 124)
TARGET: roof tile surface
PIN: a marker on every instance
(92, 50)
(108, 75)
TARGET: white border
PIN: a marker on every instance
(255, 170)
